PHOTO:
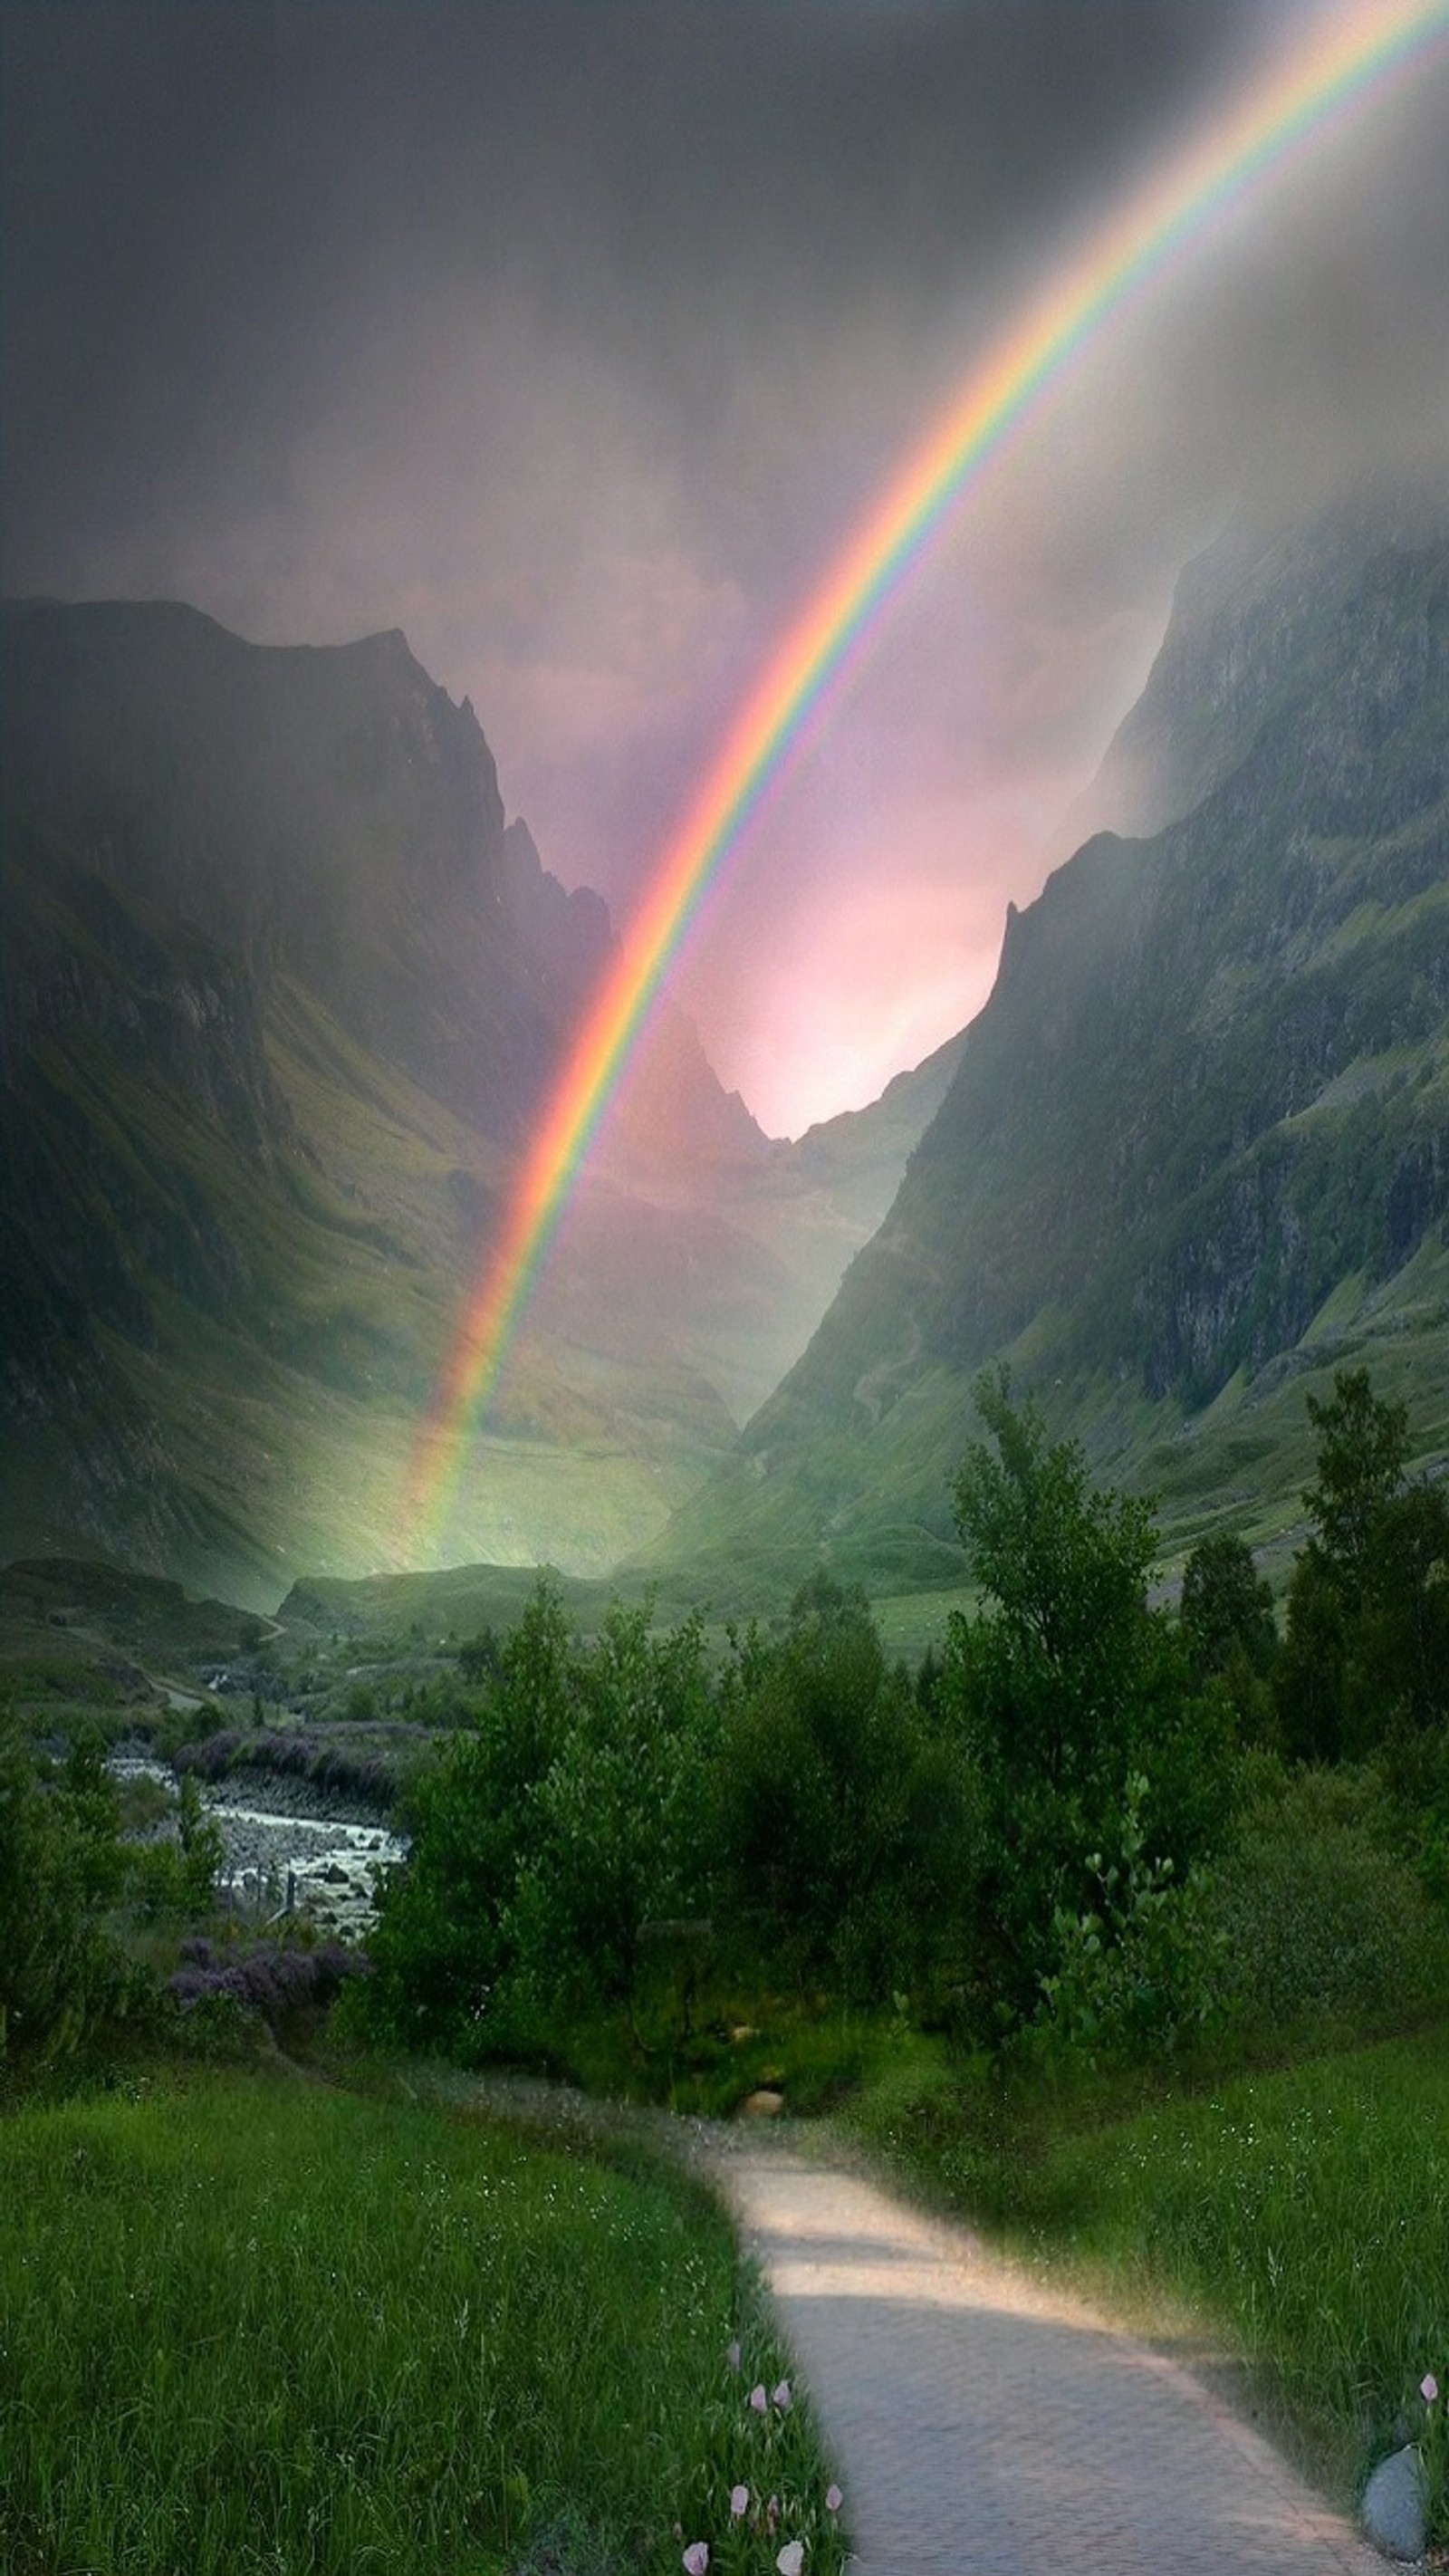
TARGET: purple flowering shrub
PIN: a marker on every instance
(275, 1983)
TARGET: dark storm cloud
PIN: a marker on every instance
(573, 338)
(217, 220)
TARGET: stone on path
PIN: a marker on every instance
(983, 2423)
(1393, 2505)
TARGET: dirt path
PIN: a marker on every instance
(987, 2426)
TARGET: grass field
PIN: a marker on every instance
(253, 2328)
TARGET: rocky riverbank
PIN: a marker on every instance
(291, 1846)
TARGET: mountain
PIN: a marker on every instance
(1252, 634)
(1196, 1149)
(283, 989)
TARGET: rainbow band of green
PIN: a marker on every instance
(1333, 68)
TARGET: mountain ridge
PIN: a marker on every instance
(1207, 1098)
(283, 990)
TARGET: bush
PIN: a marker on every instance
(1143, 1970)
(1324, 1917)
(367, 1777)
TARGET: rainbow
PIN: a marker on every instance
(1327, 71)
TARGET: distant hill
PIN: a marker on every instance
(282, 991)
(1196, 1149)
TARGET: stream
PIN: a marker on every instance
(322, 1861)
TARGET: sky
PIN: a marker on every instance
(575, 338)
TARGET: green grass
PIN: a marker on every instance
(252, 2327)
(1302, 2214)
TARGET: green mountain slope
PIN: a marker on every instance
(1197, 1147)
(282, 991)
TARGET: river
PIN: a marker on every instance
(323, 1861)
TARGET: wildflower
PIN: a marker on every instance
(1428, 2388)
(758, 2399)
(781, 2396)
(791, 2558)
(739, 2501)
(732, 2355)
(833, 2499)
(696, 2558)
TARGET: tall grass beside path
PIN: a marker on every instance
(247, 2330)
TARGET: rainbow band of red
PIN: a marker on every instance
(1329, 70)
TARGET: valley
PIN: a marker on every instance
(1188, 1161)
(252, 1167)
(724, 1821)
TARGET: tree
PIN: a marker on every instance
(1230, 1633)
(59, 1972)
(836, 1798)
(623, 1812)
(1366, 1655)
(1226, 1608)
(1065, 1651)
(1066, 1684)
(549, 1835)
(1363, 1448)
(444, 1946)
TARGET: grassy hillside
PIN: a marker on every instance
(260, 1304)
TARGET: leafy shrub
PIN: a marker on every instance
(1322, 1914)
(1143, 1969)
